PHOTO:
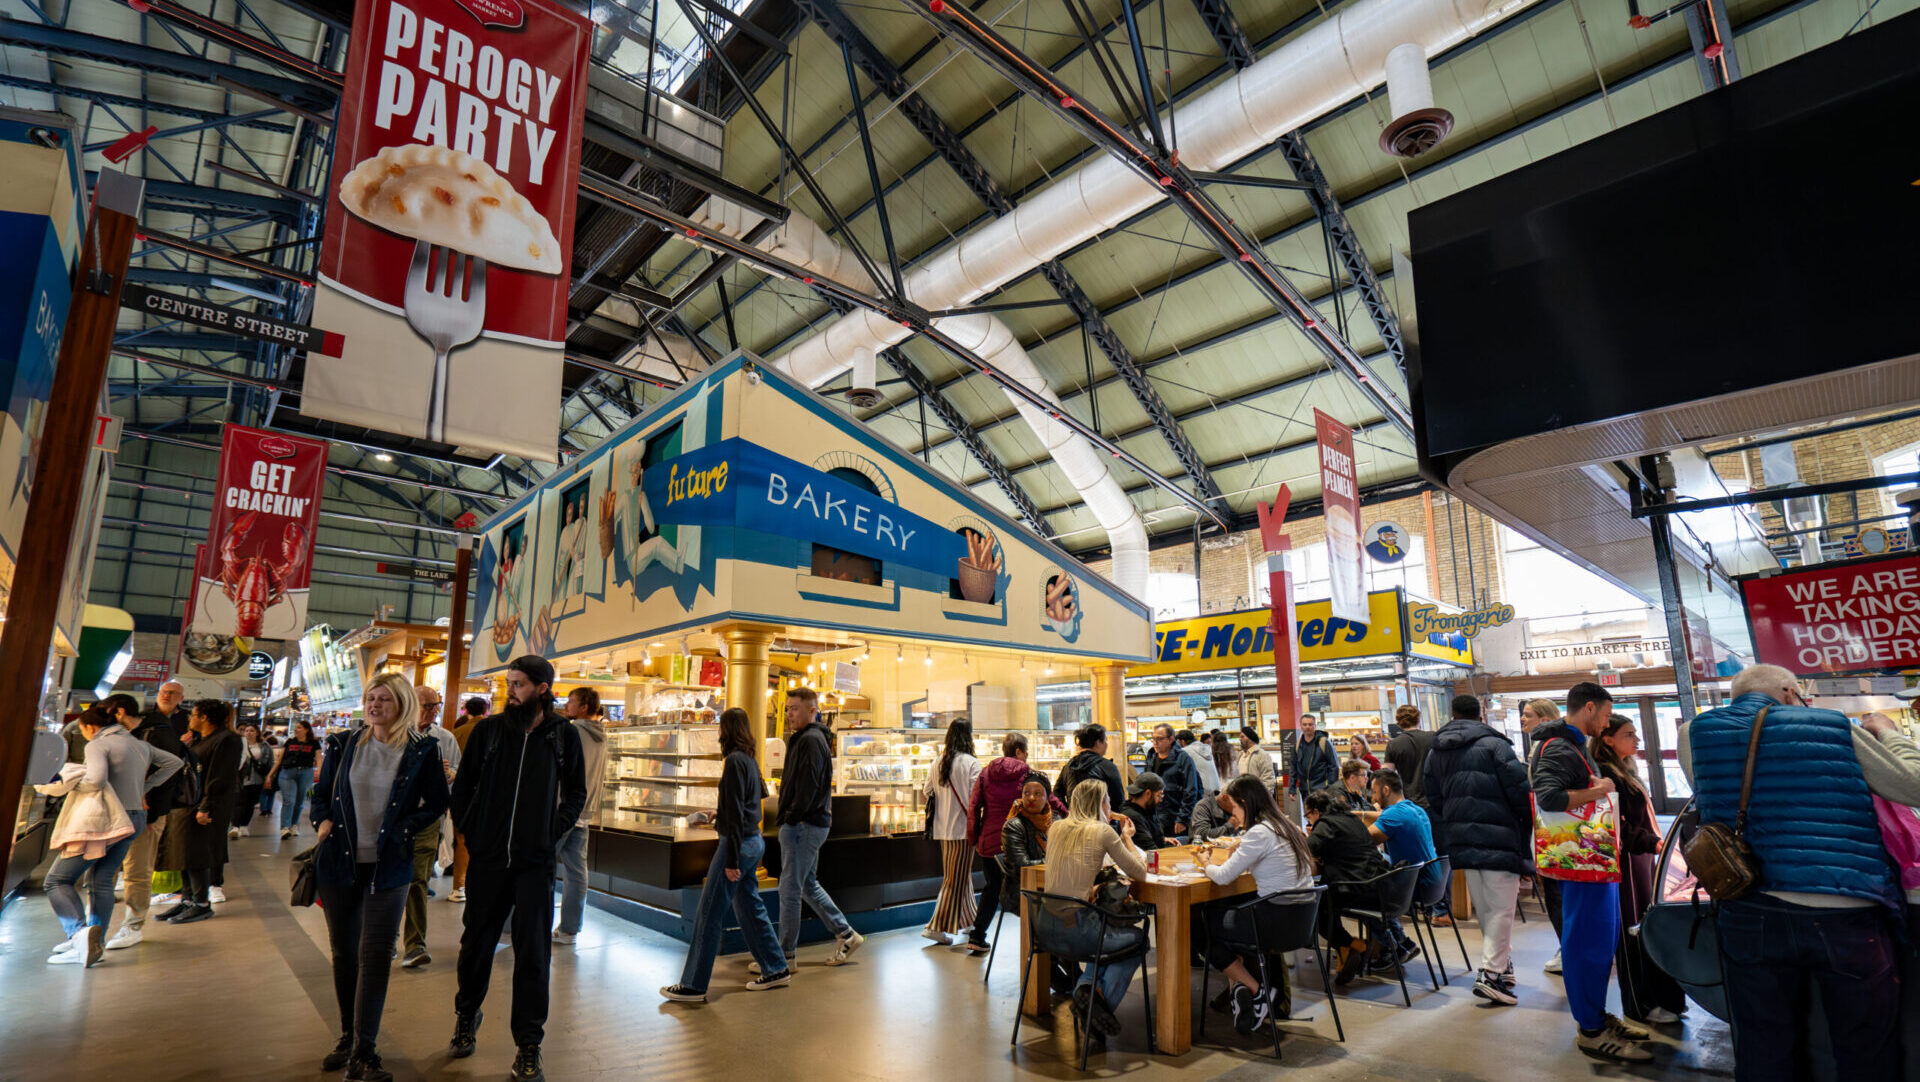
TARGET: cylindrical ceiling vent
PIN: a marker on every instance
(1417, 126)
(864, 391)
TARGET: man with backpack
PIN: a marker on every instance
(520, 786)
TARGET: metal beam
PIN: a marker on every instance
(1293, 146)
(952, 149)
(125, 101)
(956, 423)
(147, 58)
(249, 202)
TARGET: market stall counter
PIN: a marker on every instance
(743, 540)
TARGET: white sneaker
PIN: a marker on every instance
(848, 944)
(286, 833)
(126, 937)
(564, 938)
(216, 894)
(244, 832)
(169, 898)
(1553, 963)
(1660, 1016)
(233, 832)
(71, 953)
(459, 895)
(937, 937)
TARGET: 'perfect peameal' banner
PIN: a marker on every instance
(259, 552)
(449, 224)
(1858, 616)
(1340, 502)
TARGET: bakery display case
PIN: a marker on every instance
(658, 775)
(890, 767)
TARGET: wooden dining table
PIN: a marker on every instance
(1172, 940)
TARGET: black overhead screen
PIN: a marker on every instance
(1764, 232)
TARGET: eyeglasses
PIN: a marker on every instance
(430, 706)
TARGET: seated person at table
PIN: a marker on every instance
(1344, 854)
(1076, 848)
(1353, 785)
(1210, 819)
(1143, 800)
(1023, 842)
(1275, 851)
(1402, 826)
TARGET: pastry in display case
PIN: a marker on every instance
(890, 767)
(658, 775)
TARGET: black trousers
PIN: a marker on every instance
(248, 804)
(989, 901)
(195, 881)
(1550, 894)
(361, 927)
(523, 895)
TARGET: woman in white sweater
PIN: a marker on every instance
(950, 785)
(1076, 849)
(1274, 850)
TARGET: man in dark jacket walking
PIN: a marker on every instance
(1182, 781)
(521, 785)
(1316, 765)
(1564, 776)
(1483, 820)
(805, 816)
(1090, 763)
(1407, 754)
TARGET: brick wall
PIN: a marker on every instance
(1233, 567)
(1839, 456)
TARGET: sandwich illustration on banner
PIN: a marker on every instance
(450, 221)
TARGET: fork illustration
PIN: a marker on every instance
(446, 304)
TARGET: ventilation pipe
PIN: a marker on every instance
(801, 241)
(668, 358)
(1417, 126)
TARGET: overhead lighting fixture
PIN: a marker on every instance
(384, 457)
(929, 657)
(899, 653)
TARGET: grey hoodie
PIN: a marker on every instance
(593, 742)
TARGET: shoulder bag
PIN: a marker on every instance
(304, 886)
(1719, 856)
(1579, 845)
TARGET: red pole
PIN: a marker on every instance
(1286, 643)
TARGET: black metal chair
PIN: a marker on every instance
(1394, 890)
(1285, 921)
(1009, 898)
(1049, 932)
(1426, 900)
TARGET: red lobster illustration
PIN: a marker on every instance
(253, 583)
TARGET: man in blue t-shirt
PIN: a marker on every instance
(1402, 826)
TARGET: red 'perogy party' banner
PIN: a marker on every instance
(260, 544)
(458, 146)
(1859, 616)
(1340, 501)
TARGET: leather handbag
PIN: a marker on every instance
(1719, 856)
(303, 883)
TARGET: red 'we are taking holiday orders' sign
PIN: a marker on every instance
(1857, 616)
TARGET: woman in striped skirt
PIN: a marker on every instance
(949, 784)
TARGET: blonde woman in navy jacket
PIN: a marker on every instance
(379, 785)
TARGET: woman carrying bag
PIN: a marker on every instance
(948, 784)
(379, 785)
(256, 762)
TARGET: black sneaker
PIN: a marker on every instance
(1245, 1019)
(1409, 950)
(1495, 989)
(978, 946)
(466, 1030)
(1104, 1020)
(1223, 1002)
(342, 1052)
(416, 958)
(1278, 1002)
(366, 1068)
(526, 1065)
(176, 911)
(194, 914)
(766, 981)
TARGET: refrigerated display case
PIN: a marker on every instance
(658, 775)
(890, 767)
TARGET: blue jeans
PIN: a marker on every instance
(799, 861)
(710, 920)
(266, 800)
(293, 793)
(1589, 932)
(1774, 951)
(66, 871)
(571, 854)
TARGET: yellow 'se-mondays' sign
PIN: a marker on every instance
(1239, 640)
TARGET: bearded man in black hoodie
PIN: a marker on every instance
(521, 786)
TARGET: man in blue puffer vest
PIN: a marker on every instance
(1827, 891)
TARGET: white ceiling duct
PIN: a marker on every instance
(1338, 60)
(669, 358)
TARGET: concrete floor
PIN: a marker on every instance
(248, 995)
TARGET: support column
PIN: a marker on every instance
(67, 434)
(457, 626)
(747, 667)
(1110, 710)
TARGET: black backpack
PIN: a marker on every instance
(189, 786)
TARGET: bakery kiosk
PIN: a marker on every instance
(744, 538)
(1216, 672)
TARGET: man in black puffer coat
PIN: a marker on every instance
(1483, 819)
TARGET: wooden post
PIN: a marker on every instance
(457, 629)
(58, 476)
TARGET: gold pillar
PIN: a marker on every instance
(747, 666)
(1110, 710)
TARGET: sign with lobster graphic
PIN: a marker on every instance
(260, 543)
